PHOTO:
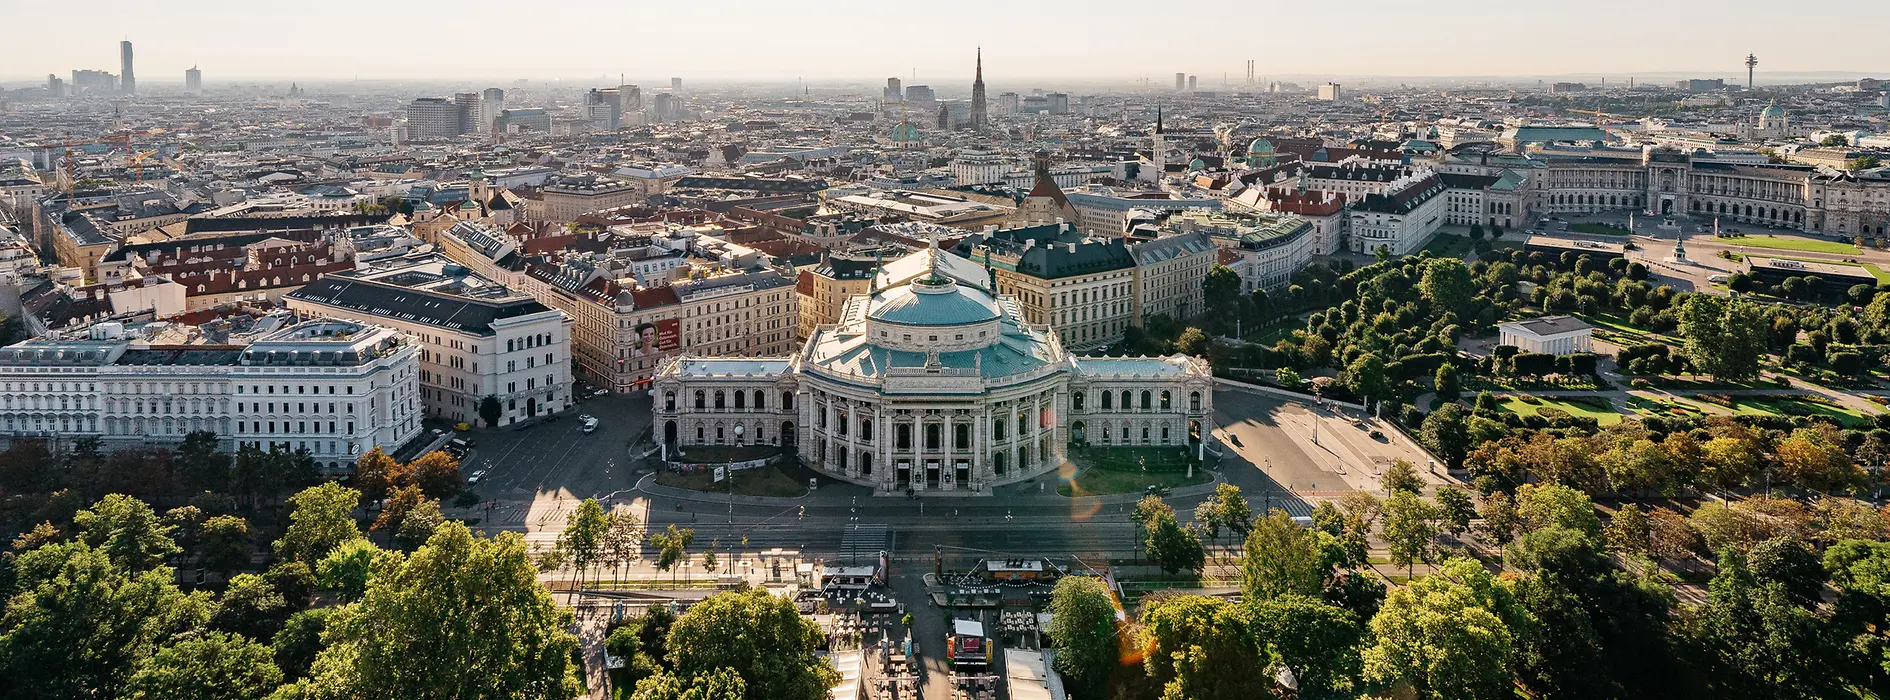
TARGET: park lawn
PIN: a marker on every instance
(1663, 408)
(764, 481)
(1449, 245)
(1107, 470)
(1520, 407)
(1810, 245)
(1598, 229)
(1787, 406)
(1877, 272)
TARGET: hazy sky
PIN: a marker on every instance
(825, 39)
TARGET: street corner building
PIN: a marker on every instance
(933, 383)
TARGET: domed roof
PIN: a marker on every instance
(1773, 110)
(934, 301)
(1260, 147)
(1197, 164)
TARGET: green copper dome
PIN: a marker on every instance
(1260, 147)
(935, 301)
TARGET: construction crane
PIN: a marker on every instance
(136, 162)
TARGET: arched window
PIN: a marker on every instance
(866, 464)
(787, 400)
(866, 429)
(1106, 397)
(1167, 401)
(1076, 401)
(669, 401)
(1023, 426)
(719, 400)
(1194, 401)
(701, 400)
(761, 403)
(997, 429)
(1126, 405)
(1147, 399)
(741, 399)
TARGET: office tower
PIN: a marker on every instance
(1007, 103)
(604, 109)
(977, 95)
(55, 87)
(468, 103)
(127, 81)
(84, 81)
(1331, 92)
(920, 93)
(1250, 72)
(1059, 102)
(432, 119)
(675, 84)
(193, 81)
(667, 107)
(491, 105)
(629, 100)
(1191, 83)
(892, 93)
(1181, 82)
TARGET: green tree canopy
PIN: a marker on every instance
(463, 617)
(761, 637)
(322, 518)
(1282, 558)
(1444, 637)
(128, 531)
(210, 666)
(1083, 625)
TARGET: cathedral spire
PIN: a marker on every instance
(978, 111)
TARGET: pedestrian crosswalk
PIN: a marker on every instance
(862, 543)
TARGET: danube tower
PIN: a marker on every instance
(977, 95)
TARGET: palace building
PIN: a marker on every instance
(932, 384)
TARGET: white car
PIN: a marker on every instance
(590, 424)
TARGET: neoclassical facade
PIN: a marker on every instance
(932, 385)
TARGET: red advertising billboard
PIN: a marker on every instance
(668, 334)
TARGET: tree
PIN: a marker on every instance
(79, 625)
(420, 524)
(200, 463)
(1366, 377)
(1724, 338)
(1286, 377)
(1319, 642)
(1792, 565)
(1201, 647)
(1444, 636)
(1221, 290)
(1500, 519)
(128, 531)
(1282, 558)
(720, 684)
(623, 539)
(250, 607)
(322, 518)
(1401, 476)
(1446, 382)
(1863, 163)
(1447, 285)
(672, 546)
(761, 637)
(400, 500)
(373, 474)
(1225, 510)
(1814, 459)
(224, 543)
(1174, 547)
(1083, 628)
(1835, 140)
(490, 411)
(583, 536)
(349, 567)
(1456, 509)
(1630, 530)
(300, 641)
(463, 617)
(211, 666)
(1546, 505)
(436, 473)
(1750, 635)
(1410, 525)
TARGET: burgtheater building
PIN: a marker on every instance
(934, 384)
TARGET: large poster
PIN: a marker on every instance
(668, 334)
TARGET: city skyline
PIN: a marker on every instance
(1670, 38)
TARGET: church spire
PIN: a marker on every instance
(1158, 117)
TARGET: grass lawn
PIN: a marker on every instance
(1523, 407)
(765, 481)
(1598, 229)
(1106, 470)
(1810, 245)
(1790, 406)
(1669, 409)
(1449, 245)
(1877, 272)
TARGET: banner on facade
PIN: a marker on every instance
(668, 334)
(730, 466)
